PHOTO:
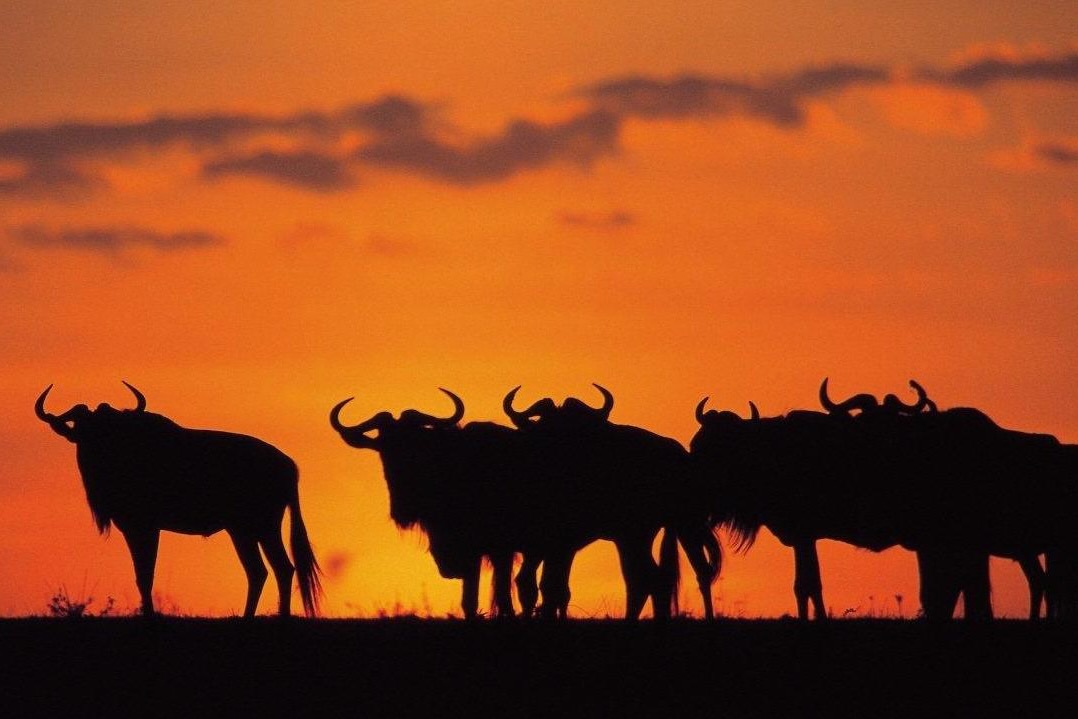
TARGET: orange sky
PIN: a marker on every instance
(253, 212)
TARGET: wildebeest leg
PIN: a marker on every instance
(939, 585)
(251, 559)
(641, 576)
(142, 543)
(527, 587)
(807, 583)
(976, 588)
(283, 571)
(469, 592)
(555, 583)
(697, 542)
(502, 563)
(1037, 580)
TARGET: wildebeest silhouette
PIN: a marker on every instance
(891, 416)
(143, 473)
(940, 483)
(577, 435)
(489, 490)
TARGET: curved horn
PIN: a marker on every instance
(700, 410)
(922, 399)
(864, 402)
(825, 401)
(140, 399)
(517, 418)
(753, 412)
(458, 409)
(39, 407)
(608, 401)
(335, 417)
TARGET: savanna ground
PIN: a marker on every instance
(595, 668)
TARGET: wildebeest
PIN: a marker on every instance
(939, 483)
(488, 490)
(578, 435)
(143, 473)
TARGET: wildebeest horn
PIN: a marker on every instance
(458, 409)
(825, 401)
(39, 407)
(922, 399)
(608, 401)
(864, 402)
(700, 410)
(140, 399)
(58, 423)
(753, 412)
(517, 418)
(335, 419)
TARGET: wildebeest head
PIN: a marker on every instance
(389, 428)
(80, 423)
(572, 414)
(867, 403)
(417, 452)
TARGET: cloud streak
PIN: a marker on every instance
(523, 145)
(327, 150)
(111, 240)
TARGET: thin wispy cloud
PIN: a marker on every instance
(1057, 153)
(523, 145)
(307, 170)
(328, 150)
(616, 220)
(111, 240)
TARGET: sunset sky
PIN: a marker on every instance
(252, 210)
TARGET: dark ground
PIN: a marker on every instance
(443, 668)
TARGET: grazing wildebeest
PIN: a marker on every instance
(902, 476)
(577, 434)
(144, 473)
(488, 490)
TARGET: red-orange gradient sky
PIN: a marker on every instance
(252, 210)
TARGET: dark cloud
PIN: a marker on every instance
(111, 240)
(392, 114)
(1057, 153)
(524, 145)
(307, 170)
(49, 151)
(49, 179)
(691, 96)
(778, 100)
(609, 221)
(987, 71)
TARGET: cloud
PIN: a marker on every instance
(1058, 153)
(48, 152)
(932, 110)
(610, 221)
(35, 180)
(694, 96)
(111, 240)
(981, 72)
(307, 170)
(523, 145)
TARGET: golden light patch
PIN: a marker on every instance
(931, 110)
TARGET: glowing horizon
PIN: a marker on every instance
(251, 215)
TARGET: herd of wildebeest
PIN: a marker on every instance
(950, 485)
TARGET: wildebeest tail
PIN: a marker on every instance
(307, 570)
(670, 567)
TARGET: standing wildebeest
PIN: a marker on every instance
(934, 483)
(583, 435)
(488, 490)
(144, 473)
(897, 419)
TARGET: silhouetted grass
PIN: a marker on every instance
(424, 667)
